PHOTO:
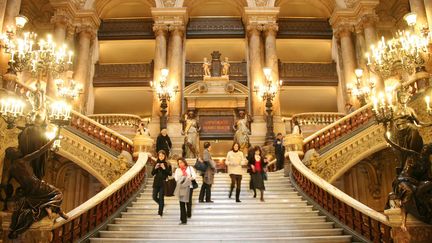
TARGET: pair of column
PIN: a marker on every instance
(423, 9)
(171, 59)
(256, 56)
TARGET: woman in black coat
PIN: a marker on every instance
(161, 171)
(163, 142)
(257, 166)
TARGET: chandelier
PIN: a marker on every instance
(406, 51)
(44, 59)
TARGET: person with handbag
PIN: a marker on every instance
(161, 170)
(257, 165)
(185, 177)
(234, 161)
(208, 175)
(163, 142)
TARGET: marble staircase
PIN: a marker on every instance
(284, 217)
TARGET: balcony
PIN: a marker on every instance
(123, 75)
(308, 74)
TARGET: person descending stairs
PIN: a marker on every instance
(284, 217)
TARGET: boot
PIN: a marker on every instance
(238, 195)
(254, 193)
(262, 196)
(230, 193)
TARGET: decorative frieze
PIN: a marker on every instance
(215, 27)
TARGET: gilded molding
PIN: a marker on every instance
(334, 163)
(99, 163)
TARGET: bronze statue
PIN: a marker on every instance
(35, 198)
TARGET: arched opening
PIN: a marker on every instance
(113, 9)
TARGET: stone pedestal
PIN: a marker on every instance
(37, 233)
(292, 142)
(142, 143)
(416, 231)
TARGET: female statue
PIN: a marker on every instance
(190, 130)
(242, 131)
(35, 198)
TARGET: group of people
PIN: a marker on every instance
(185, 175)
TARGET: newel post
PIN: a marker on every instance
(416, 231)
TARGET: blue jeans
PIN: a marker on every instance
(158, 197)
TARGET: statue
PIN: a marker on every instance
(35, 199)
(142, 130)
(190, 131)
(206, 67)
(242, 131)
(37, 101)
(226, 67)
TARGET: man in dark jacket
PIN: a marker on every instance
(163, 142)
(279, 151)
(161, 171)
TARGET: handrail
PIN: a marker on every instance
(348, 123)
(79, 121)
(371, 224)
(94, 211)
(128, 120)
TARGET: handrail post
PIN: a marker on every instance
(416, 231)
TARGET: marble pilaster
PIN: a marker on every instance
(175, 66)
(418, 7)
(11, 11)
(256, 67)
(428, 7)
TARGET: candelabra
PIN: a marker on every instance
(44, 59)
(165, 93)
(405, 51)
(362, 93)
(267, 91)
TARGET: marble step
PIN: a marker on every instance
(232, 205)
(221, 228)
(224, 201)
(243, 192)
(207, 215)
(223, 221)
(238, 210)
(162, 233)
(313, 239)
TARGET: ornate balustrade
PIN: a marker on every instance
(316, 118)
(321, 74)
(98, 132)
(368, 223)
(125, 29)
(215, 28)
(237, 72)
(304, 28)
(97, 209)
(123, 120)
(123, 75)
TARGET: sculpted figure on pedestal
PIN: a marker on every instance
(226, 66)
(35, 199)
(206, 67)
(191, 129)
(242, 131)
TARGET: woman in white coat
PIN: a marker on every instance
(234, 161)
(184, 176)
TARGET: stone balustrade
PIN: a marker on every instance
(121, 120)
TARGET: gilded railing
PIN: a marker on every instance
(368, 223)
(124, 120)
(88, 126)
(316, 118)
(97, 209)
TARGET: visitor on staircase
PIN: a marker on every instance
(161, 171)
(208, 175)
(184, 176)
(163, 142)
(257, 165)
(234, 161)
(279, 151)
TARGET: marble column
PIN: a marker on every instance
(82, 64)
(12, 10)
(428, 7)
(175, 65)
(418, 7)
(348, 54)
(271, 60)
(256, 68)
(160, 62)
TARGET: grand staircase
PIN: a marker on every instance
(284, 217)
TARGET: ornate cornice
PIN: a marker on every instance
(170, 16)
(260, 16)
(354, 14)
(343, 29)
